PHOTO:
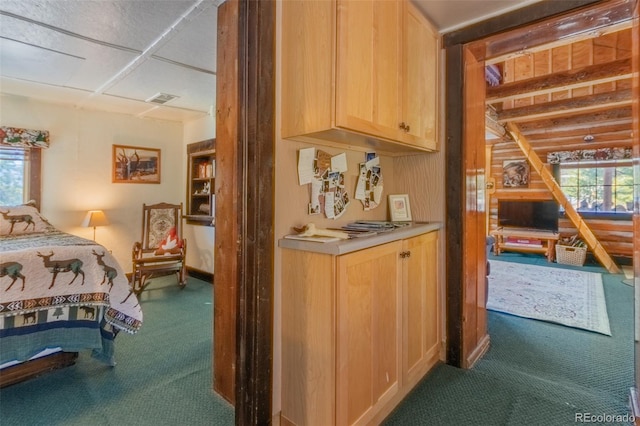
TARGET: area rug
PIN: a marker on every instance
(563, 296)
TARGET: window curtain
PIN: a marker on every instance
(25, 138)
(602, 154)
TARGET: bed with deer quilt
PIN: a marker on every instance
(58, 290)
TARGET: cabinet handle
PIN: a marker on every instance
(404, 126)
(405, 254)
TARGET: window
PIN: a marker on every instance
(599, 188)
(19, 175)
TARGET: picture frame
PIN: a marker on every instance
(399, 208)
(515, 173)
(135, 164)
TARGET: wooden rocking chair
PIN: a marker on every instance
(162, 250)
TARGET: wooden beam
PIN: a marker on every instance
(582, 227)
(512, 20)
(590, 23)
(621, 115)
(577, 38)
(595, 102)
(606, 130)
(563, 80)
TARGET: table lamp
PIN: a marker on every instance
(95, 218)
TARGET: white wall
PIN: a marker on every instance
(76, 169)
(200, 239)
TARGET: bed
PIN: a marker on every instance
(58, 292)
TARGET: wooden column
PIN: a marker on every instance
(243, 280)
(256, 144)
(226, 190)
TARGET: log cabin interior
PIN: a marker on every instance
(565, 97)
(554, 90)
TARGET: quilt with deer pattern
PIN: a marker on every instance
(60, 290)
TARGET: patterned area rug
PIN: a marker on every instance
(563, 296)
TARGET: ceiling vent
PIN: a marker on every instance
(161, 98)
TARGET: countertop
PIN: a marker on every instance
(355, 244)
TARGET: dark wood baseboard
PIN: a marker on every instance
(30, 369)
(200, 274)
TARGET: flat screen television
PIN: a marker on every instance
(530, 214)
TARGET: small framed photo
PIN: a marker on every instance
(399, 208)
(133, 164)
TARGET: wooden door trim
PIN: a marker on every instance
(244, 243)
(256, 148)
(226, 251)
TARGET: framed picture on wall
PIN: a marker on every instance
(134, 164)
(399, 208)
(515, 174)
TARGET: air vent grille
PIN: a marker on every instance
(161, 98)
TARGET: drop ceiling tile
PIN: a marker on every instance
(27, 62)
(133, 24)
(196, 43)
(33, 52)
(196, 90)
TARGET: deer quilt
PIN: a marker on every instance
(51, 279)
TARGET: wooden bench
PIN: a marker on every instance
(525, 240)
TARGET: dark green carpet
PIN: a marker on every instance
(535, 373)
(163, 375)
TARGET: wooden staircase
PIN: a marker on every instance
(582, 227)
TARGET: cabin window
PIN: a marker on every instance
(599, 188)
(19, 175)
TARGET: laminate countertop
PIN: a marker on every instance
(355, 244)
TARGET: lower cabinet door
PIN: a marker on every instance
(369, 331)
(421, 331)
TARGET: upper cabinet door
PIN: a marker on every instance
(420, 83)
(361, 73)
(369, 37)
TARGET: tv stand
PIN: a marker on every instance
(526, 240)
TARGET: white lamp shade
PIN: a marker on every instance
(95, 218)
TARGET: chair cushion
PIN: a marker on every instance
(171, 243)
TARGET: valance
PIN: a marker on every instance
(589, 154)
(25, 138)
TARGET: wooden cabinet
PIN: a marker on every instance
(369, 59)
(420, 83)
(201, 182)
(363, 73)
(421, 302)
(368, 332)
(359, 330)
